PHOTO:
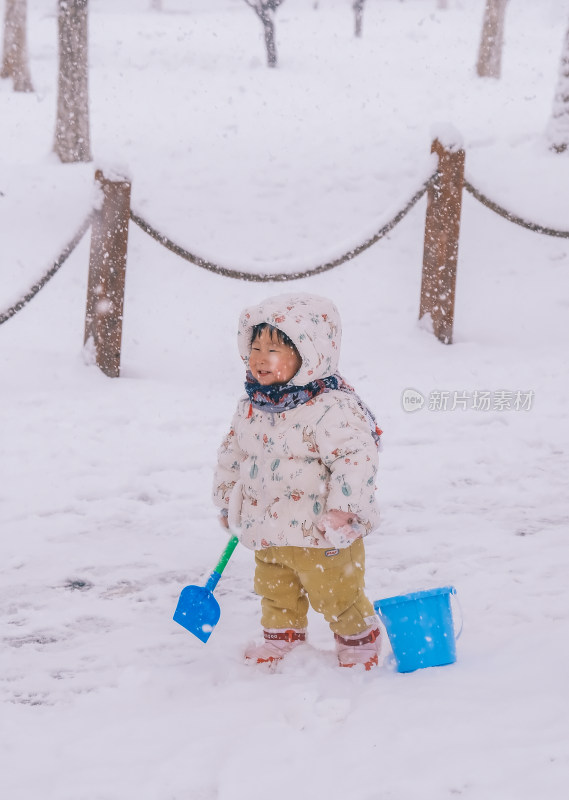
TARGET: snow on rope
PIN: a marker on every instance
(524, 223)
(60, 260)
(282, 276)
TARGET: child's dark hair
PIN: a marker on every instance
(274, 333)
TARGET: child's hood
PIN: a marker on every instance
(311, 322)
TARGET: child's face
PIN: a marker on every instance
(271, 361)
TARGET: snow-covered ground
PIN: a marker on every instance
(104, 488)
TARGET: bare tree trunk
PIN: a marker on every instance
(490, 53)
(269, 26)
(72, 139)
(358, 6)
(15, 62)
(265, 10)
(557, 131)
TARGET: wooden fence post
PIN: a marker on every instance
(442, 228)
(107, 270)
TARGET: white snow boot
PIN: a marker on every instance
(278, 643)
(363, 648)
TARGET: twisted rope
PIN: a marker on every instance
(281, 276)
(524, 223)
(63, 256)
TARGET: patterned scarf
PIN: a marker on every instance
(279, 397)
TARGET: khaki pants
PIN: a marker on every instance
(289, 578)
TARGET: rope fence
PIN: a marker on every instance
(283, 276)
(524, 223)
(59, 261)
(109, 240)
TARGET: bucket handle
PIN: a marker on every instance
(456, 600)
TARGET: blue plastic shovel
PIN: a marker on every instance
(197, 610)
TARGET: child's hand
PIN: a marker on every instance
(223, 521)
(338, 519)
(341, 528)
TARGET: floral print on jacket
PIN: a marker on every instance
(278, 473)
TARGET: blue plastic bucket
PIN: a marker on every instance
(420, 628)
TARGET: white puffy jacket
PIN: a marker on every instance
(277, 473)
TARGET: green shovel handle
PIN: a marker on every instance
(226, 555)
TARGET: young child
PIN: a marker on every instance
(296, 475)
